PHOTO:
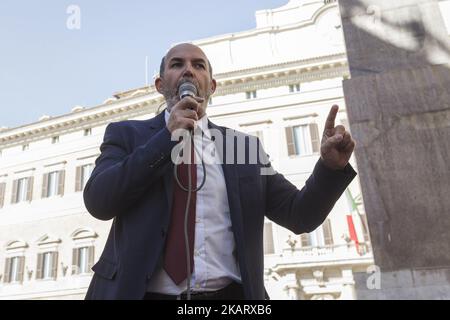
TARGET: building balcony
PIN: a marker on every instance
(310, 257)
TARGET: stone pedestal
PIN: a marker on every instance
(398, 104)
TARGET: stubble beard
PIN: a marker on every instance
(172, 98)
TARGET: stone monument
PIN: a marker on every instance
(398, 104)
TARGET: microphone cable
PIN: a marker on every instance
(189, 190)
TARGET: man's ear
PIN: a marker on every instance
(159, 84)
(213, 86)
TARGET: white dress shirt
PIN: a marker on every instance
(215, 264)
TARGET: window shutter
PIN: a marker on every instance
(2, 194)
(91, 258)
(21, 268)
(327, 234)
(54, 265)
(75, 266)
(61, 176)
(14, 191)
(78, 180)
(305, 240)
(45, 185)
(40, 266)
(7, 273)
(315, 138)
(290, 141)
(30, 188)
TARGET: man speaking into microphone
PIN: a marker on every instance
(195, 230)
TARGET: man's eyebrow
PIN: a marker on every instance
(177, 59)
(199, 60)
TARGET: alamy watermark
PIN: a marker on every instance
(73, 21)
(231, 148)
(374, 279)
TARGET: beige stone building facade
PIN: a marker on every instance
(277, 81)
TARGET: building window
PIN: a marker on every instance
(250, 95)
(47, 265)
(53, 184)
(22, 190)
(305, 240)
(55, 139)
(303, 140)
(2, 194)
(322, 236)
(87, 132)
(294, 88)
(82, 176)
(268, 238)
(82, 260)
(25, 147)
(83, 252)
(14, 267)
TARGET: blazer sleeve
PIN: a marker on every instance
(120, 178)
(304, 210)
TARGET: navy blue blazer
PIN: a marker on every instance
(132, 184)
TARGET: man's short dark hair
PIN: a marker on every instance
(162, 67)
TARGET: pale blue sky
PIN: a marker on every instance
(45, 68)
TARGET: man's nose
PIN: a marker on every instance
(188, 70)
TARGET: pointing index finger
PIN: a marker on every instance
(329, 124)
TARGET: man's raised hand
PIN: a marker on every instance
(337, 144)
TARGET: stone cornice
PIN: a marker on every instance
(88, 118)
(146, 100)
(338, 57)
(283, 78)
(281, 74)
(266, 29)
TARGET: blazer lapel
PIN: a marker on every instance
(231, 179)
(156, 124)
(234, 201)
(168, 184)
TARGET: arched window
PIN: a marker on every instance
(83, 253)
(15, 261)
(47, 259)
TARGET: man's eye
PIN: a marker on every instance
(176, 64)
(201, 66)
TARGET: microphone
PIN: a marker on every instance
(187, 89)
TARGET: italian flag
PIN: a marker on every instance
(353, 219)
